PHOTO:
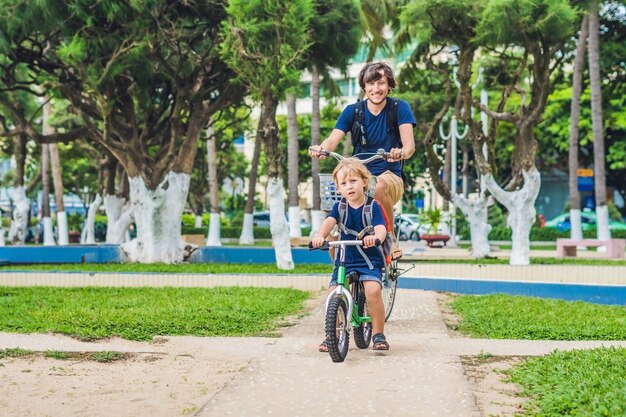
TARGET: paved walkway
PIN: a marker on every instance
(421, 375)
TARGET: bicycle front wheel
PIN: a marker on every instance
(390, 285)
(337, 336)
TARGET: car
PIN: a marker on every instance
(587, 219)
(261, 219)
(408, 227)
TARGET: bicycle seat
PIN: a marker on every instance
(352, 277)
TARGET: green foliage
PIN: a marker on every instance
(14, 353)
(574, 383)
(264, 42)
(142, 313)
(502, 316)
(431, 217)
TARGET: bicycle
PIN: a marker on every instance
(341, 313)
(329, 196)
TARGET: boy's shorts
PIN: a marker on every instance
(372, 276)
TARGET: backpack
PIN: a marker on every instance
(366, 219)
(358, 133)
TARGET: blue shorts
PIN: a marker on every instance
(373, 275)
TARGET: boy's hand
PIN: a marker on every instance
(317, 241)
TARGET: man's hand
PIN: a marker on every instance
(316, 152)
(397, 154)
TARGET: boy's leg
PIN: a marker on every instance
(323, 347)
(375, 306)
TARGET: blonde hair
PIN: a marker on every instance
(353, 166)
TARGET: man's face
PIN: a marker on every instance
(377, 91)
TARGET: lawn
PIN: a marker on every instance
(574, 383)
(141, 313)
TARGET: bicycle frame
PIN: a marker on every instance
(343, 287)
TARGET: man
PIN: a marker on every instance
(377, 81)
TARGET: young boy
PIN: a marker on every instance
(351, 179)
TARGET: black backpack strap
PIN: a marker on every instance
(359, 136)
(392, 119)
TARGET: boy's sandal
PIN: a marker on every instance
(379, 342)
(323, 347)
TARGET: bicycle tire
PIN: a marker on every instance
(363, 332)
(390, 285)
(337, 335)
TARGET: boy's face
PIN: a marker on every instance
(350, 185)
(377, 91)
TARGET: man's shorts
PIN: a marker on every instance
(395, 185)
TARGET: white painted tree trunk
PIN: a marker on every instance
(62, 229)
(247, 230)
(158, 217)
(476, 211)
(521, 207)
(278, 224)
(214, 236)
(1, 235)
(48, 232)
(317, 217)
(119, 217)
(294, 222)
(19, 223)
(198, 222)
(575, 221)
(602, 223)
(89, 232)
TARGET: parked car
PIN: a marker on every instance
(587, 219)
(408, 227)
(261, 219)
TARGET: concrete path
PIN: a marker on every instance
(421, 375)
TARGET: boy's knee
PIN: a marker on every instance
(372, 289)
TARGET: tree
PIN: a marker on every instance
(145, 78)
(574, 196)
(602, 211)
(265, 42)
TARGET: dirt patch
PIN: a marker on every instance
(494, 396)
(450, 318)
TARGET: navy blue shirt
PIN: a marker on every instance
(354, 259)
(377, 135)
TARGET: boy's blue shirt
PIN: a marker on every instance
(354, 260)
(377, 135)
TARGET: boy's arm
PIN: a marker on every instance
(325, 228)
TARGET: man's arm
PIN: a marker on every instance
(329, 144)
(408, 144)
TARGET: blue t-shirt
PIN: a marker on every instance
(377, 135)
(354, 259)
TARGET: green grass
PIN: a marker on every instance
(574, 383)
(14, 353)
(533, 261)
(515, 317)
(141, 313)
(103, 357)
(204, 268)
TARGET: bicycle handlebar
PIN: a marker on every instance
(380, 154)
(334, 243)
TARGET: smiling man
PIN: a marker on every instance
(377, 122)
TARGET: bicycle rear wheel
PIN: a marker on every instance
(337, 336)
(390, 285)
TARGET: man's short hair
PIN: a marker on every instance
(371, 72)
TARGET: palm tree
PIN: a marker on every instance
(213, 237)
(292, 164)
(602, 211)
(574, 195)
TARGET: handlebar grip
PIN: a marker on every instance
(322, 151)
(323, 247)
(378, 242)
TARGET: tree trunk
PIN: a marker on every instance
(90, 222)
(574, 196)
(48, 233)
(292, 163)
(316, 213)
(214, 234)
(476, 212)
(19, 223)
(119, 217)
(597, 125)
(521, 207)
(55, 163)
(158, 217)
(275, 192)
(247, 230)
